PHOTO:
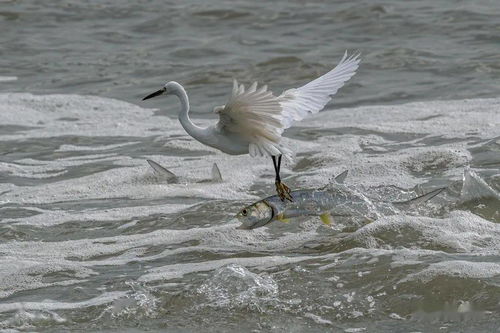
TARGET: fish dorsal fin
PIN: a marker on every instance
(418, 200)
(341, 177)
(216, 175)
(169, 175)
(474, 187)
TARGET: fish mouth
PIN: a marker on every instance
(243, 227)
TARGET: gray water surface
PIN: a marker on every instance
(412, 50)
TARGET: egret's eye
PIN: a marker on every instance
(244, 212)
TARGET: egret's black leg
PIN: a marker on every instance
(276, 170)
(282, 190)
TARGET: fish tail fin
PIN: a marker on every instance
(418, 200)
(216, 175)
(162, 171)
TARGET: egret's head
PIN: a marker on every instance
(169, 88)
(255, 215)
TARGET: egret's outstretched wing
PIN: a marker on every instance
(255, 115)
(312, 97)
(260, 117)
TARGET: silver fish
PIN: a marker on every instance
(333, 200)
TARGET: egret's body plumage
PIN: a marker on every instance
(253, 119)
(213, 136)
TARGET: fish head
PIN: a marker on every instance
(256, 215)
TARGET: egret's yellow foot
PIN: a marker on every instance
(283, 191)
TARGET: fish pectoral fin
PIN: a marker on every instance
(282, 219)
(326, 218)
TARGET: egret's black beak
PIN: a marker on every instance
(156, 93)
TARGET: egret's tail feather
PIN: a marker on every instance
(266, 148)
(288, 154)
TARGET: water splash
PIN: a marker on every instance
(27, 320)
(234, 286)
(138, 304)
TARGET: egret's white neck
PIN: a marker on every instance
(195, 131)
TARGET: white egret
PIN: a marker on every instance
(253, 120)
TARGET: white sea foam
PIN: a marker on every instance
(8, 78)
(317, 319)
(93, 116)
(104, 298)
(129, 182)
(97, 116)
(94, 148)
(450, 119)
(21, 272)
(88, 116)
(456, 269)
(53, 217)
(419, 123)
(461, 231)
(391, 145)
(176, 271)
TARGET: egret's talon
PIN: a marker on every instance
(283, 191)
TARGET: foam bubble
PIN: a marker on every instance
(456, 269)
(460, 231)
(179, 270)
(8, 78)
(58, 115)
(50, 305)
(317, 319)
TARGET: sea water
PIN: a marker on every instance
(92, 239)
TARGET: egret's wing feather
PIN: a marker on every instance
(311, 98)
(259, 117)
(256, 115)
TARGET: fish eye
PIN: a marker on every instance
(244, 212)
